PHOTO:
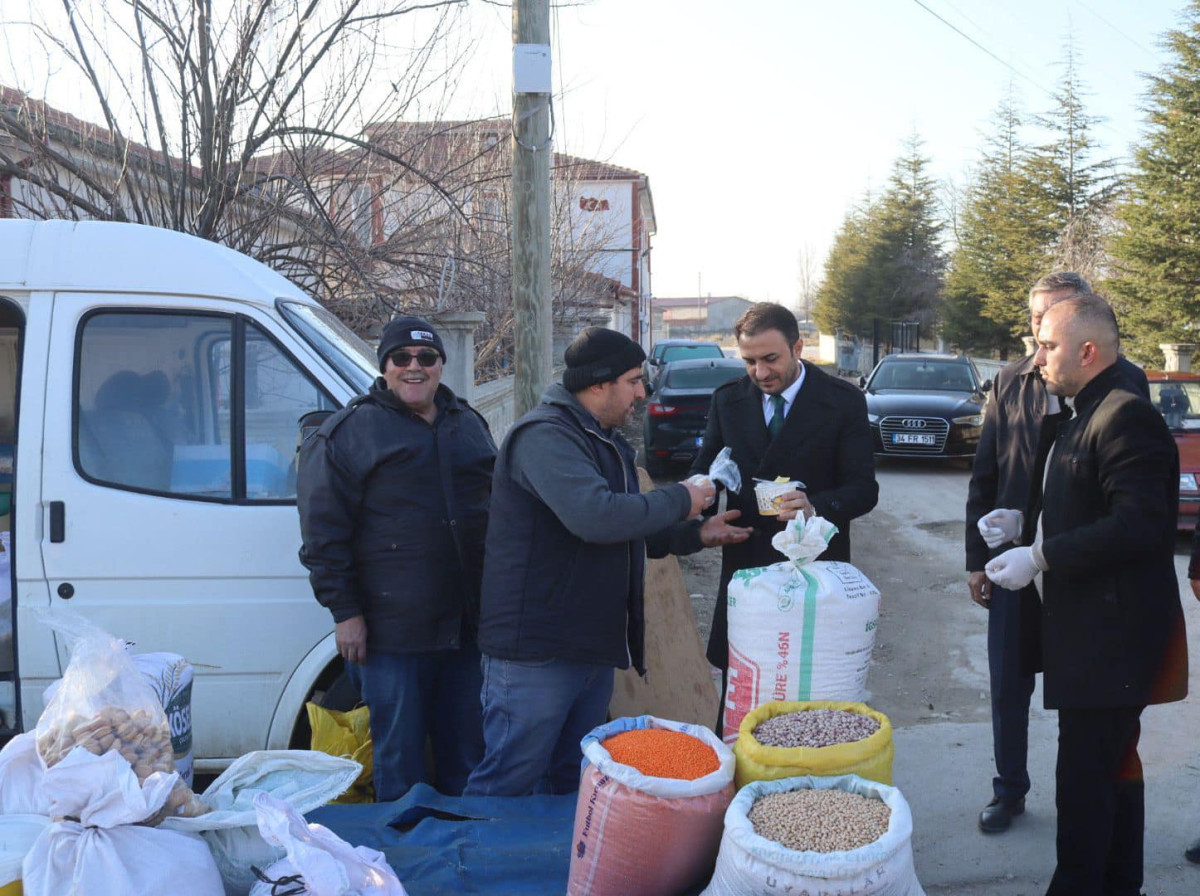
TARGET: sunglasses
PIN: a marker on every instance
(426, 358)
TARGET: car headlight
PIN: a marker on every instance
(872, 418)
(971, 420)
(1187, 482)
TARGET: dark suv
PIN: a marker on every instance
(677, 411)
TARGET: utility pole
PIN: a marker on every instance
(531, 149)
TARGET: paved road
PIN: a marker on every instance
(930, 677)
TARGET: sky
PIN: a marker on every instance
(761, 124)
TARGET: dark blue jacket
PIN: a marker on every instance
(393, 512)
(567, 541)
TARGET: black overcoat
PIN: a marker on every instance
(825, 443)
(1112, 624)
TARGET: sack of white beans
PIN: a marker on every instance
(798, 630)
(828, 817)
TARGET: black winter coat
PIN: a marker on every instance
(1112, 624)
(393, 513)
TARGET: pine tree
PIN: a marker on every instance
(841, 301)
(906, 260)
(1003, 245)
(1156, 287)
(1073, 192)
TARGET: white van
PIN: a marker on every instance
(152, 387)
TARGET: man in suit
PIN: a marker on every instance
(1112, 631)
(1018, 410)
(786, 418)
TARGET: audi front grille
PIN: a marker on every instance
(914, 435)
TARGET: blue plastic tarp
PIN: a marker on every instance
(438, 844)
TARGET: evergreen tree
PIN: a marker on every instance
(1074, 192)
(841, 301)
(1003, 241)
(1156, 287)
(887, 261)
(906, 261)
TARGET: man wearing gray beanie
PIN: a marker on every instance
(566, 548)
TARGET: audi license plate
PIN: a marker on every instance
(913, 438)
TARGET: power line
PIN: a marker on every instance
(979, 46)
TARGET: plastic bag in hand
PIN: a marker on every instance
(319, 862)
(725, 471)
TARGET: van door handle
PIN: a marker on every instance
(58, 522)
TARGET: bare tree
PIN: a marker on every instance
(284, 129)
(808, 279)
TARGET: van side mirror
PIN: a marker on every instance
(862, 381)
(986, 387)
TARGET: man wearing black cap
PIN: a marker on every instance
(566, 549)
(393, 496)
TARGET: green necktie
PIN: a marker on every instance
(776, 423)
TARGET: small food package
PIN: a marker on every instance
(770, 494)
(104, 705)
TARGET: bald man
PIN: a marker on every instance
(1101, 530)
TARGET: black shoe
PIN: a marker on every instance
(997, 815)
(1192, 853)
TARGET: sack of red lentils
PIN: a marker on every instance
(645, 779)
(842, 834)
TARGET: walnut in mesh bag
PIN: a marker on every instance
(143, 743)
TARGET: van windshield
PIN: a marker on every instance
(335, 342)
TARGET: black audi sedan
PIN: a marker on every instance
(676, 413)
(925, 405)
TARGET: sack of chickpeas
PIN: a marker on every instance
(644, 779)
(786, 739)
(109, 778)
(817, 835)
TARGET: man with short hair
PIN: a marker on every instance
(1020, 413)
(1102, 533)
(786, 418)
(566, 548)
(393, 497)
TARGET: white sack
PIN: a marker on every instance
(106, 853)
(749, 863)
(21, 772)
(799, 630)
(303, 779)
(326, 864)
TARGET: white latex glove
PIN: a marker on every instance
(1001, 526)
(1014, 569)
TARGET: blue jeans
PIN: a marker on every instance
(413, 696)
(534, 716)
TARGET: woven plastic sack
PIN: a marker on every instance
(346, 734)
(749, 863)
(621, 817)
(869, 758)
(803, 629)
